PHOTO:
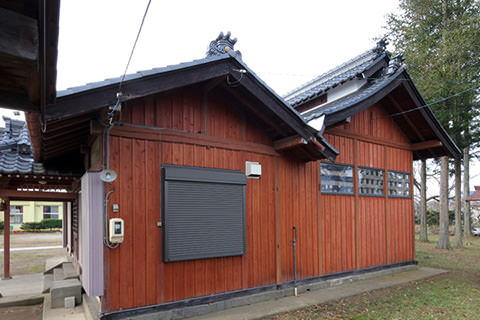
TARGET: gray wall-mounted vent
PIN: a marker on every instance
(203, 213)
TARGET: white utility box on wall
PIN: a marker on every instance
(253, 169)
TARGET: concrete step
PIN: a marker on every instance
(47, 282)
(54, 262)
(69, 271)
(63, 289)
(77, 313)
(58, 274)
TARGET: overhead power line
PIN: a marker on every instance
(134, 45)
(119, 93)
(435, 102)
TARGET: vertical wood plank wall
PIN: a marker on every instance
(331, 230)
(138, 277)
(382, 227)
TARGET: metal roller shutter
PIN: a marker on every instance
(203, 213)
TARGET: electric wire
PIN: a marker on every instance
(435, 102)
(134, 45)
(119, 94)
(106, 138)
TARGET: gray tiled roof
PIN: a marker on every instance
(363, 93)
(136, 75)
(338, 75)
(16, 149)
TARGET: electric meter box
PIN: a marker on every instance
(116, 230)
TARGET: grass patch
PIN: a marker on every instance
(455, 295)
(37, 268)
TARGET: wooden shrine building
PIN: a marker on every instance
(213, 174)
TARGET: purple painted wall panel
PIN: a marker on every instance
(91, 247)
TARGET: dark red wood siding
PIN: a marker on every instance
(137, 274)
(362, 231)
(335, 233)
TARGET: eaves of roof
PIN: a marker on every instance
(94, 96)
(375, 91)
(364, 94)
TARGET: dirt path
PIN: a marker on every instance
(26, 312)
(33, 239)
(31, 261)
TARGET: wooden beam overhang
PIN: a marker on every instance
(447, 143)
(309, 150)
(14, 181)
(19, 36)
(16, 101)
(289, 142)
(426, 145)
(28, 53)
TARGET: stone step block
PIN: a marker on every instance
(58, 274)
(54, 262)
(69, 302)
(69, 271)
(63, 289)
(47, 282)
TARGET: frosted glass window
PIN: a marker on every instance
(398, 184)
(337, 178)
(370, 181)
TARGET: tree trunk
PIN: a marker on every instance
(443, 240)
(423, 204)
(467, 228)
(458, 202)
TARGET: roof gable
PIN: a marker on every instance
(224, 70)
(390, 86)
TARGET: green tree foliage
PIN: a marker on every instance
(440, 40)
(432, 217)
(441, 43)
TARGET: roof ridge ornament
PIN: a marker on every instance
(381, 46)
(223, 44)
(394, 64)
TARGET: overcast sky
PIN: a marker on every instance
(285, 42)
